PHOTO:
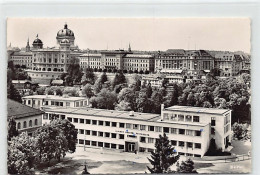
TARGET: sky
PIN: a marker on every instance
(150, 34)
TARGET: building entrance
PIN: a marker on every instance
(130, 146)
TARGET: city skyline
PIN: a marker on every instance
(229, 34)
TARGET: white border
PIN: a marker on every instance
(134, 8)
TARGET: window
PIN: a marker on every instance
(128, 125)
(19, 125)
(189, 132)
(88, 121)
(121, 125)
(188, 118)
(181, 144)
(113, 135)
(94, 133)
(166, 129)
(62, 117)
(29, 102)
(24, 124)
(113, 124)
(100, 123)
(113, 145)
(121, 136)
(100, 144)
(181, 131)
(81, 131)
(197, 133)
(94, 143)
(174, 130)
(142, 149)
(142, 139)
(70, 119)
(151, 128)
(100, 134)
(121, 147)
(107, 134)
(174, 143)
(213, 121)
(81, 120)
(158, 129)
(87, 142)
(81, 141)
(135, 126)
(87, 132)
(142, 127)
(189, 145)
(76, 120)
(107, 145)
(181, 118)
(107, 123)
(165, 116)
(150, 140)
(196, 119)
(174, 117)
(198, 145)
(150, 150)
(94, 122)
(213, 131)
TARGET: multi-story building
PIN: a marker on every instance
(90, 60)
(193, 62)
(40, 101)
(27, 118)
(189, 129)
(22, 58)
(229, 63)
(139, 62)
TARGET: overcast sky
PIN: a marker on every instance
(231, 34)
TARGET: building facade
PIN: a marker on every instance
(189, 132)
(43, 101)
(27, 118)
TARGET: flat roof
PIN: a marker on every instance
(54, 97)
(106, 113)
(197, 109)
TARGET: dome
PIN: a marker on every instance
(37, 41)
(65, 41)
(65, 32)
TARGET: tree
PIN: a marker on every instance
(103, 78)
(186, 167)
(239, 131)
(74, 73)
(157, 99)
(88, 77)
(22, 154)
(12, 93)
(119, 79)
(12, 130)
(127, 100)
(71, 91)
(163, 156)
(87, 91)
(105, 99)
(143, 104)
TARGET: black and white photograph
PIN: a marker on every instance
(128, 95)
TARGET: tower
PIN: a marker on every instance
(37, 43)
(129, 48)
(27, 46)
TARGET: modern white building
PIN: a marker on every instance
(39, 101)
(190, 129)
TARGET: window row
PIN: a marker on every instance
(19, 125)
(101, 134)
(180, 117)
(101, 144)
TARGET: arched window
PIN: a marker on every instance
(49, 69)
(24, 124)
(19, 125)
(61, 69)
(35, 122)
(30, 123)
(43, 69)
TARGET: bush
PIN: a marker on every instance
(114, 70)
(124, 71)
(141, 72)
(95, 70)
(109, 70)
(136, 71)
(104, 70)
(147, 72)
(130, 71)
(99, 70)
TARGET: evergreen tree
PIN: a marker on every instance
(119, 79)
(186, 167)
(163, 156)
(12, 93)
(12, 130)
(103, 78)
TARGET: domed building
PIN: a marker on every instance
(65, 33)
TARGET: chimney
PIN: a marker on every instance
(162, 107)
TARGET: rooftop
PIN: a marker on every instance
(54, 97)
(18, 110)
(197, 109)
(22, 53)
(91, 55)
(138, 56)
(107, 113)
